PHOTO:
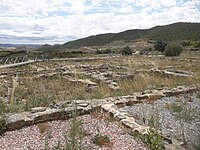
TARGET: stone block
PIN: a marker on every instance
(130, 123)
(38, 109)
(17, 121)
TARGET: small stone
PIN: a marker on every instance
(107, 107)
(38, 109)
(83, 104)
(121, 115)
(142, 97)
(130, 123)
(142, 130)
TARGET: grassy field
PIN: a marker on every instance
(32, 91)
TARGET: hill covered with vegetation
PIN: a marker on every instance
(173, 32)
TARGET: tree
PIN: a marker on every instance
(160, 45)
(197, 44)
(173, 49)
(126, 51)
(107, 51)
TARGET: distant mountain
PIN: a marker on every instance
(19, 45)
(48, 47)
(173, 32)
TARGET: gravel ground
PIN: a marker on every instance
(169, 121)
(31, 138)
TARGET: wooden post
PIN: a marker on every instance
(15, 60)
(6, 61)
(23, 59)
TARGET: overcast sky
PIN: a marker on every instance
(59, 21)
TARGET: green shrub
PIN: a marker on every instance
(173, 49)
(3, 110)
(107, 51)
(154, 140)
(146, 51)
(126, 51)
(160, 45)
(2, 124)
(197, 44)
(3, 107)
(176, 108)
(39, 100)
(73, 140)
(198, 94)
(184, 43)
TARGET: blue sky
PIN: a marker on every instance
(59, 21)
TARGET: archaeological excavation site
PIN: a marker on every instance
(113, 102)
(80, 76)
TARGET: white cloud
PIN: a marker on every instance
(52, 21)
(168, 2)
(143, 3)
(97, 2)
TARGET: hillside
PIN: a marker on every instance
(19, 45)
(172, 32)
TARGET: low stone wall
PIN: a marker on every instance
(63, 110)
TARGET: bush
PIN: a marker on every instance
(173, 49)
(73, 140)
(154, 140)
(107, 51)
(146, 51)
(197, 44)
(2, 124)
(184, 43)
(3, 107)
(160, 45)
(126, 51)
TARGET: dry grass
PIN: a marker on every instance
(44, 127)
(33, 92)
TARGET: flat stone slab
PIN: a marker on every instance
(38, 109)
